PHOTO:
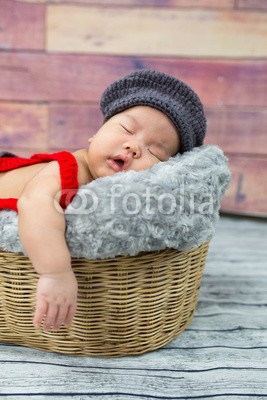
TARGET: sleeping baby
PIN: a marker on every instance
(149, 116)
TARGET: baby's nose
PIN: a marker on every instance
(133, 148)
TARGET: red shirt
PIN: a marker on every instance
(68, 173)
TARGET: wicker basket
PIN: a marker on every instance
(126, 305)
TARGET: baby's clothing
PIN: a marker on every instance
(68, 173)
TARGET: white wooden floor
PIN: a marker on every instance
(223, 354)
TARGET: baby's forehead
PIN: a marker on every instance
(143, 113)
(156, 126)
(130, 117)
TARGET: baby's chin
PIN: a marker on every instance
(103, 174)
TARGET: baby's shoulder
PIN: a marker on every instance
(84, 175)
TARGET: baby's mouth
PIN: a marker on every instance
(119, 162)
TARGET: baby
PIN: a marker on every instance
(148, 117)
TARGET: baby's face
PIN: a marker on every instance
(134, 139)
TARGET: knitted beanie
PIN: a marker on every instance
(163, 92)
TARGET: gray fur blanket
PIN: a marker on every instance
(173, 204)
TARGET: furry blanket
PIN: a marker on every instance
(173, 204)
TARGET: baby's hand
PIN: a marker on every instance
(56, 300)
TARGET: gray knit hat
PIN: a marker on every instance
(163, 92)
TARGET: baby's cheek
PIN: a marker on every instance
(149, 163)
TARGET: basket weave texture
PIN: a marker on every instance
(126, 305)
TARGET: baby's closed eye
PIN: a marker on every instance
(126, 129)
(154, 154)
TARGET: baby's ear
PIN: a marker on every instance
(90, 139)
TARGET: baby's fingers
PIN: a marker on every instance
(61, 317)
(51, 317)
(70, 314)
(58, 315)
(41, 310)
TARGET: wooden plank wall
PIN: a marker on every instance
(57, 56)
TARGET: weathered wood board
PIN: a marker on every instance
(82, 78)
(238, 130)
(77, 29)
(252, 4)
(147, 3)
(70, 125)
(14, 18)
(248, 191)
(22, 124)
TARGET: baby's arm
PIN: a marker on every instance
(41, 230)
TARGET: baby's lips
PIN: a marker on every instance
(114, 165)
(120, 162)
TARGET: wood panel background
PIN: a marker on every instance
(57, 57)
